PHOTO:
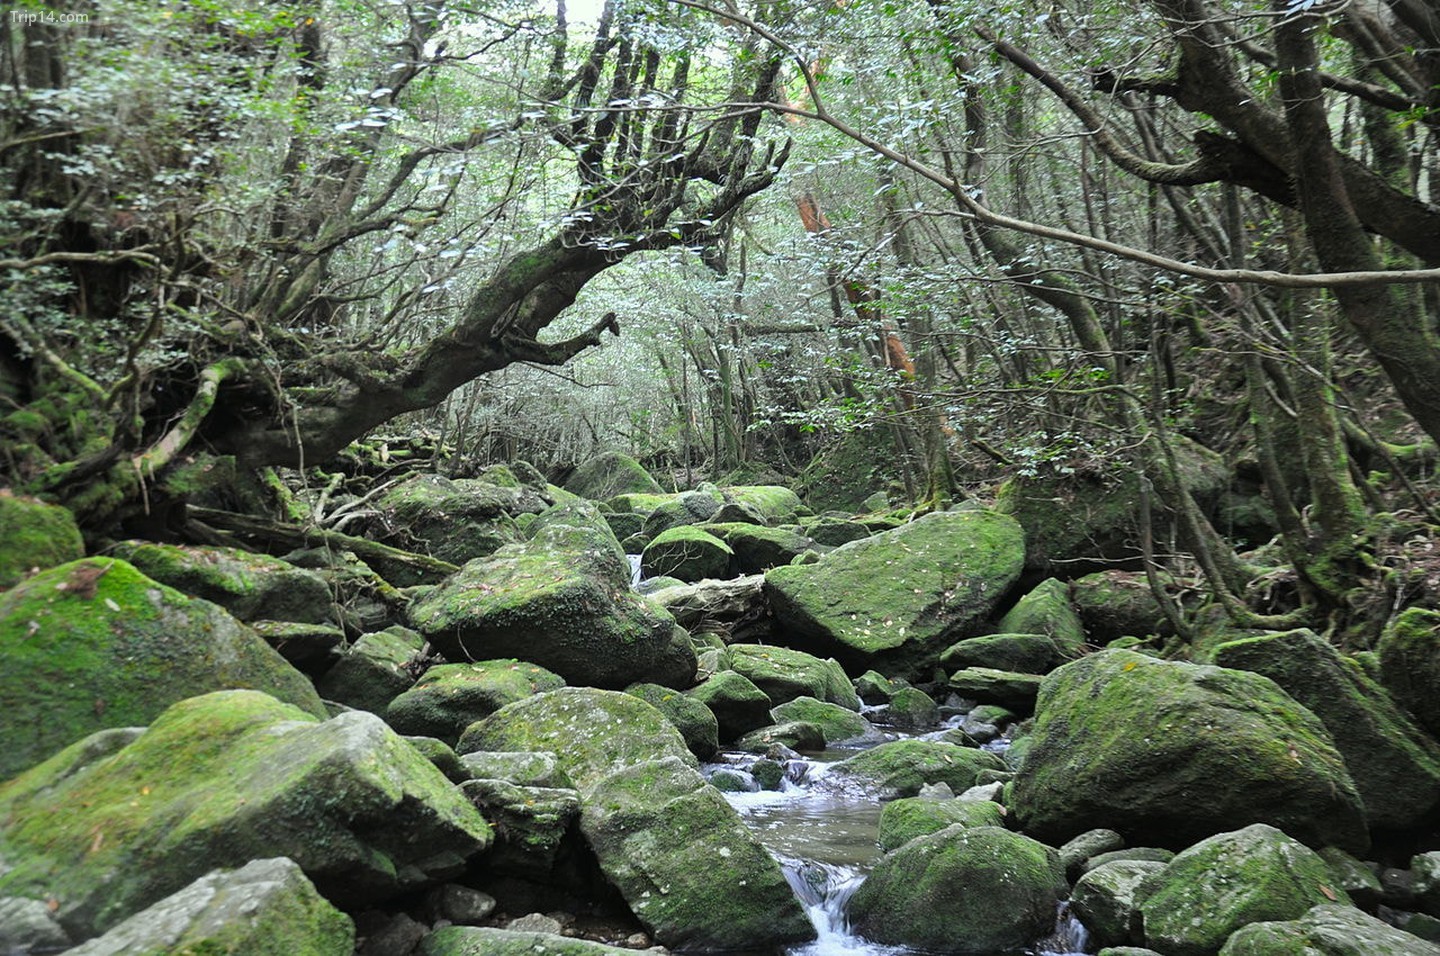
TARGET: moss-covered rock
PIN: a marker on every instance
(873, 687)
(1228, 880)
(34, 536)
(686, 508)
(220, 780)
(1409, 653)
(266, 906)
(248, 585)
(962, 890)
(1167, 753)
(695, 721)
(836, 723)
(374, 670)
(785, 674)
(896, 600)
(1106, 900)
(1014, 691)
(774, 503)
(738, 705)
(912, 708)
(685, 863)
(756, 548)
(1116, 604)
(534, 827)
(490, 941)
(561, 600)
(688, 553)
(713, 605)
(450, 697)
(1046, 610)
(904, 766)
(1024, 653)
(609, 474)
(909, 817)
(95, 644)
(1327, 930)
(852, 467)
(831, 531)
(1395, 766)
(800, 735)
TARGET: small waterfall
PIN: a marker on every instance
(634, 560)
(1070, 936)
(824, 889)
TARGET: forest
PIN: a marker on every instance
(1070, 345)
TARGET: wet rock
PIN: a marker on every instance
(904, 766)
(1167, 753)
(895, 600)
(96, 644)
(739, 706)
(688, 553)
(785, 674)
(799, 735)
(835, 722)
(1105, 900)
(961, 890)
(1224, 882)
(1327, 930)
(912, 708)
(450, 697)
(248, 585)
(909, 817)
(695, 721)
(266, 906)
(34, 536)
(223, 779)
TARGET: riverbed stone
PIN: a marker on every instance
(784, 674)
(961, 890)
(1327, 930)
(450, 697)
(775, 503)
(609, 474)
(913, 709)
(831, 531)
(1168, 752)
(1395, 765)
(904, 766)
(34, 536)
(492, 941)
(1010, 689)
(1223, 882)
(836, 723)
(679, 854)
(250, 586)
(802, 736)
(1116, 604)
(756, 548)
(713, 604)
(674, 511)
(265, 906)
(1046, 609)
(1409, 652)
(688, 553)
(695, 721)
(1106, 901)
(1025, 653)
(561, 600)
(95, 644)
(1135, 854)
(374, 670)
(896, 600)
(909, 817)
(738, 705)
(220, 780)
(1085, 846)
(29, 926)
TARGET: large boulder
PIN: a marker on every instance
(695, 721)
(1115, 604)
(681, 857)
(902, 767)
(1025, 653)
(909, 817)
(450, 697)
(738, 705)
(1107, 900)
(266, 906)
(756, 548)
(1167, 753)
(1396, 767)
(686, 552)
(561, 600)
(962, 890)
(775, 503)
(217, 781)
(1228, 880)
(34, 536)
(248, 585)
(1327, 930)
(896, 600)
(1410, 664)
(609, 474)
(374, 670)
(785, 674)
(95, 644)
(686, 508)
(1046, 610)
(836, 723)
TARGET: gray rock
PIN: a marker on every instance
(1075, 852)
(535, 923)
(374, 670)
(29, 924)
(488, 941)
(1327, 930)
(1105, 900)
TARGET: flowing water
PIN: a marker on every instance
(824, 835)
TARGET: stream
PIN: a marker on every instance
(824, 837)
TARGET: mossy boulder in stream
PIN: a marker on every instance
(1327, 930)
(1167, 753)
(1410, 664)
(1395, 765)
(775, 503)
(695, 721)
(264, 907)
(896, 600)
(756, 548)
(835, 722)
(785, 674)
(249, 586)
(450, 697)
(1025, 653)
(609, 474)
(220, 780)
(681, 857)
(34, 535)
(1106, 899)
(909, 817)
(95, 644)
(738, 705)
(902, 767)
(1046, 610)
(561, 600)
(962, 890)
(686, 552)
(1228, 880)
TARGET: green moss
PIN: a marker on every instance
(1046, 610)
(246, 584)
(611, 474)
(687, 553)
(904, 766)
(694, 720)
(836, 723)
(909, 817)
(1409, 652)
(784, 674)
(34, 534)
(775, 503)
(1025, 653)
(96, 644)
(451, 697)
